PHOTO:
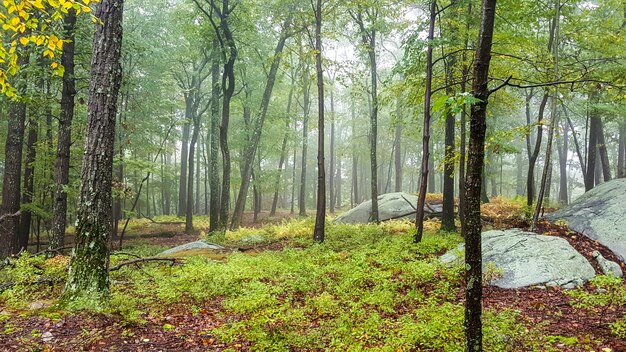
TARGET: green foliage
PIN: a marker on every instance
(367, 286)
(606, 292)
(30, 278)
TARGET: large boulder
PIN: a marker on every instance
(192, 246)
(599, 214)
(397, 205)
(527, 259)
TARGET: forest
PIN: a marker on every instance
(313, 175)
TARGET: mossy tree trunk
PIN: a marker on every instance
(88, 274)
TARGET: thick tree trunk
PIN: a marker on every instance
(88, 273)
(12, 181)
(473, 226)
(320, 216)
(66, 115)
(424, 179)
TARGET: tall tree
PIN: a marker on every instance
(419, 217)
(88, 277)
(12, 179)
(368, 40)
(475, 163)
(255, 139)
(320, 216)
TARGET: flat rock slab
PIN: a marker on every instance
(191, 246)
(529, 259)
(599, 214)
(397, 205)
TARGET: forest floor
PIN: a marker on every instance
(366, 287)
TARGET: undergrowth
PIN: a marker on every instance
(365, 287)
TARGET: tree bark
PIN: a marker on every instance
(563, 149)
(88, 273)
(29, 180)
(419, 217)
(12, 181)
(306, 85)
(604, 156)
(214, 183)
(66, 115)
(331, 171)
(473, 226)
(184, 158)
(368, 39)
(398, 148)
(320, 216)
(592, 145)
(530, 179)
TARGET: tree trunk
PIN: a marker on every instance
(228, 88)
(424, 179)
(190, 195)
(29, 181)
(62, 163)
(320, 216)
(463, 122)
(604, 156)
(447, 217)
(368, 39)
(11, 185)
(306, 85)
(283, 154)
(473, 226)
(563, 149)
(355, 159)
(331, 171)
(251, 148)
(594, 127)
(184, 158)
(398, 148)
(530, 179)
(88, 272)
(214, 183)
(546, 177)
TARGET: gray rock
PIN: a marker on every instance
(528, 259)
(600, 215)
(608, 267)
(397, 205)
(191, 246)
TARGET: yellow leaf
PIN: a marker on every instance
(24, 41)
